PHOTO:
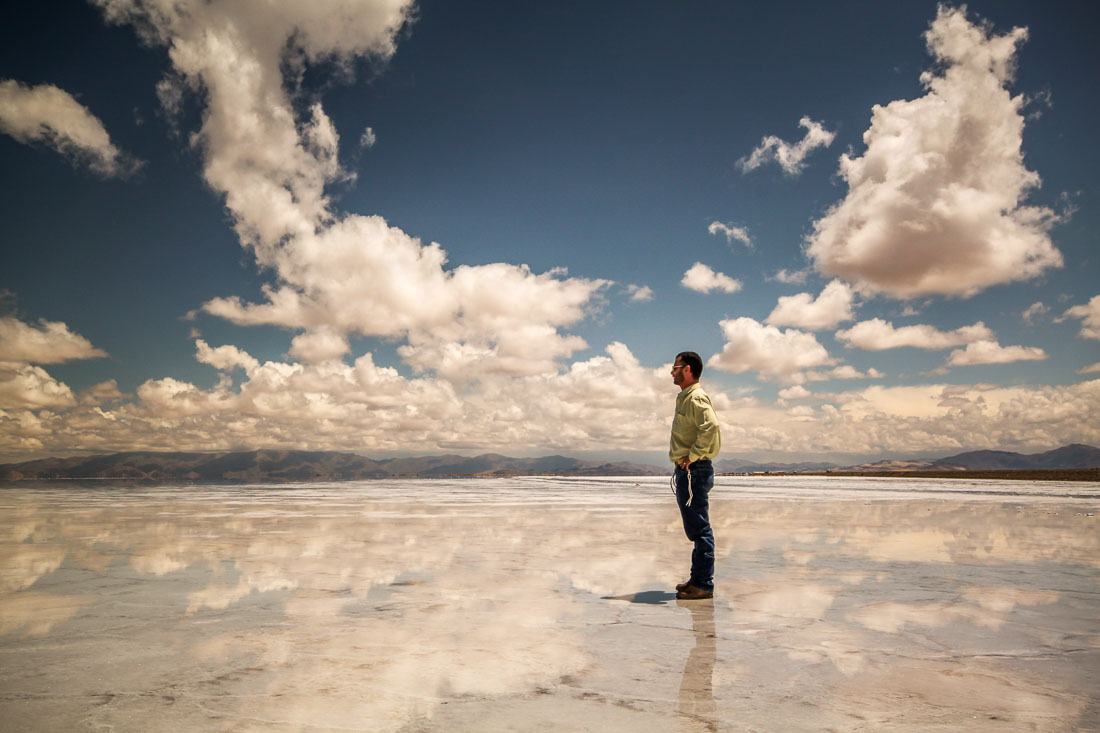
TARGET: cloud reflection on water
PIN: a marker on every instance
(363, 609)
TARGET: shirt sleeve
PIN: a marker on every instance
(708, 440)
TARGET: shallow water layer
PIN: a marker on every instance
(539, 604)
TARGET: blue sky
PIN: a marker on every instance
(465, 227)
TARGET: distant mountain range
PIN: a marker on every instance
(1066, 457)
(294, 465)
(739, 465)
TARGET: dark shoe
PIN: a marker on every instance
(691, 593)
(681, 586)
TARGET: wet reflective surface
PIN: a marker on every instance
(546, 604)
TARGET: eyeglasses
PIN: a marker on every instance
(678, 366)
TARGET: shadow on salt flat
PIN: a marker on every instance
(652, 597)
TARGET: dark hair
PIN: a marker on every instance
(691, 359)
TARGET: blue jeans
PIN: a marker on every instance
(697, 519)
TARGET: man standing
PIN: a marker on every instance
(695, 440)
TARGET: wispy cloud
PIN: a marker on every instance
(788, 277)
(790, 157)
(1033, 311)
(703, 279)
(51, 116)
(640, 293)
(732, 232)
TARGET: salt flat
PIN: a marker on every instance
(543, 604)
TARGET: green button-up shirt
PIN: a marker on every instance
(695, 431)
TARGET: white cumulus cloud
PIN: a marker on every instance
(609, 399)
(830, 308)
(844, 371)
(225, 358)
(49, 342)
(22, 345)
(878, 335)
(640, 293)
(990, 352)
(31, 387)
(49, 115)
(753, 346)
(790, 157)
(795, 392)
(703, 279)
(101, 393)
(321, 344)
(935, 203)
(1089, 315)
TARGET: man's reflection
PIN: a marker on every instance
(697, 704)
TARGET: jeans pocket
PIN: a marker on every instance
(702, 477)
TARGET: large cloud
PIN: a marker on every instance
(608, 402)
(935, 203)
(31, 387)
(338, 275)
(752, 346)
(52, 116)
(832, 306)
(335, 275)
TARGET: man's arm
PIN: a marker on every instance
(708, 438)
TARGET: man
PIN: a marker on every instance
(695, 440)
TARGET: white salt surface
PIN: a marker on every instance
(545, 604)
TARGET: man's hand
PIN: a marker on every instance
(683, 463)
